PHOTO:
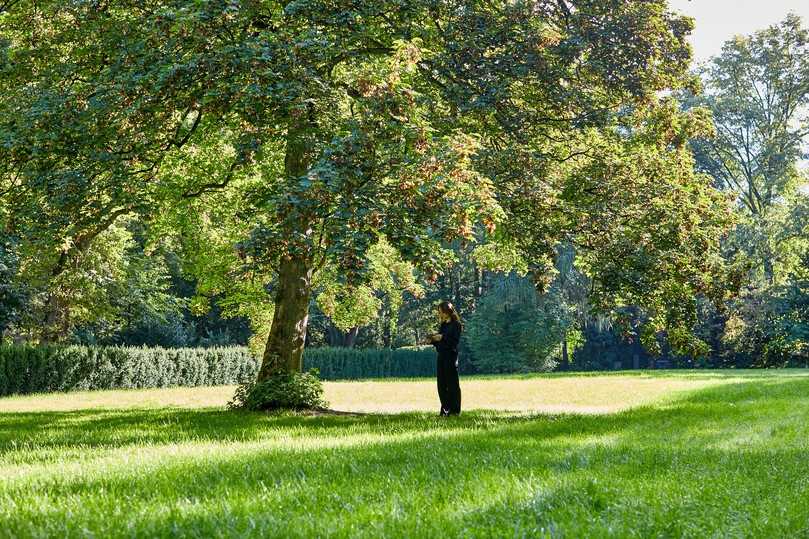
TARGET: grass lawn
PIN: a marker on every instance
(630, 455)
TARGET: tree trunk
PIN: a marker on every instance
(769, 270)
(342, 339)
(351, 337)
(565, 358)
(456, 289)
(285, 343)
(335, 335)
(284, 350)
(56, 325)
(387, 337)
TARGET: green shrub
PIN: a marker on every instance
(286, 390)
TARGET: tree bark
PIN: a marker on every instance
(342, 339)
(284, 350)
(285, 343)
(351, 337)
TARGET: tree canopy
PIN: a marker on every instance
(280, 140)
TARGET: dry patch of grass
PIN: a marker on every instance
(590, 394)
(575, 394)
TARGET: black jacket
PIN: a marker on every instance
(451, 334)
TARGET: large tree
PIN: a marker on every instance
(331, 124)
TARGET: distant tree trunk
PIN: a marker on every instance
(769, 270)
(387, 333)
(343, 339)
(565, 358)
(351, 337)
(457, 286)
(477, 289)
(335, 337)
(51, 322)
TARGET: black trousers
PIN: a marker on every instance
(449, 387)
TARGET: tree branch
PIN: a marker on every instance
(179, 144)
(82, 240)
(7, 5)
(212, 186)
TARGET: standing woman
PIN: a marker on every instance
(446, 344)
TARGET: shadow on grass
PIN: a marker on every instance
(700, 410)
(728, 459)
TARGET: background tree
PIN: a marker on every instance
(758, 92)
(381, 298)
(516, 329)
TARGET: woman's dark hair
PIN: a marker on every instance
(448, 308)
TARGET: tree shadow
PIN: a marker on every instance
(112, 428)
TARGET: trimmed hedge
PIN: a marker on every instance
(40, 369)
(354, 363)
